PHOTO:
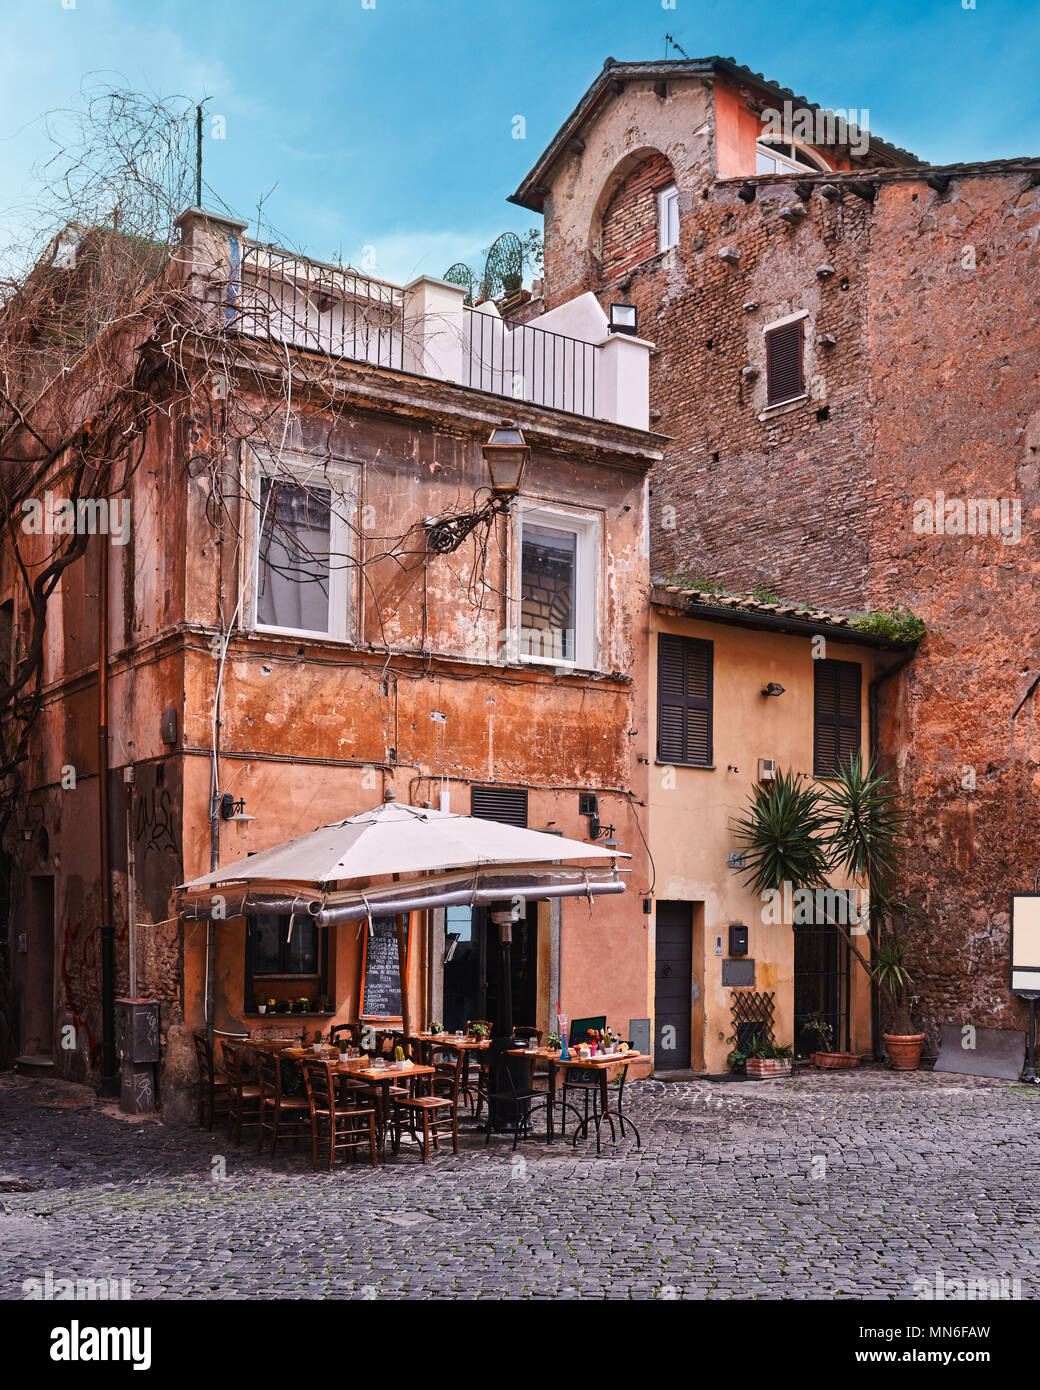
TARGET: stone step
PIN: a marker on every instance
(34, 1065)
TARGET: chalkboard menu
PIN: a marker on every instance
(381, 971)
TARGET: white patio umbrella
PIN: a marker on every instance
(397, 839)
(394, 840)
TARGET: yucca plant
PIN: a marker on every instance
(783, 836)
(794, 833)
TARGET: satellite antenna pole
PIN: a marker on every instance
(198, 156)
(669, 40)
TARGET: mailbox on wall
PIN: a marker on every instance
(738, 939)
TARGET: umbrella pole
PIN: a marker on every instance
(402, 962)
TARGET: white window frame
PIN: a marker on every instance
(588, 529)
(343, 479)
(791, 166)
(667, 211)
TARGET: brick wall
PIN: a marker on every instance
(930, 384)
(629, 230)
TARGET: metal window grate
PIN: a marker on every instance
(506, 804)
(752, 1012)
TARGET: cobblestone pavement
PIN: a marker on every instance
(848, 1184)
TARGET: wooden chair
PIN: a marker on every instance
(345, 1035)
(212, 1086)
(243, 1095)
(435, 1111)
(279, 1114)
(347, 1127)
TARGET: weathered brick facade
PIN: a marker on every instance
(921, 350)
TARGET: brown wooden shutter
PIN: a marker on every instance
(836, 721)
(684, 700)
(784, 378)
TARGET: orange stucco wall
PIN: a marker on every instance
(692, 810)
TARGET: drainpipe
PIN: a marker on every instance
(109, 1076)
(873, 703)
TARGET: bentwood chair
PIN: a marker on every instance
(342, 1126)
(580, 1080)
(243, 1095)
(279, 1113)
(516, 1105)
(212, 1086)
(345, 1035)
(435, 1112)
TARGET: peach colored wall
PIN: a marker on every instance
(692, 809)
(736, 131)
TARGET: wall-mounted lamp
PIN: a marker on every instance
(506, 454)
(624, 318)
(230, 809)
(773, 688)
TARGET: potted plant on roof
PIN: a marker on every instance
(795, 836)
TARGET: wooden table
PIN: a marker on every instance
(602, 1064)
(383, 1078)
(465, 1045)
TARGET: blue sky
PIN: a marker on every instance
(391, 126)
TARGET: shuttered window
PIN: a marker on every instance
(684, 700)
(506, 804)
(836, 715)
(784, 377)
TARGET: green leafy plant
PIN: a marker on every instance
(317, 1036)
(898, 622)
(554, 1042)
(436, 1028)
(817, 1026)
(783, 836)
(764, 1049)
(480, 1031)
(763, 595)
(736, 1060)
(799, 835)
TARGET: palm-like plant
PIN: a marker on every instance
(793, 833)
(783, 836)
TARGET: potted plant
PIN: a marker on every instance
(323, 1004)
(823, 1058)
(902, 1043)
(317, 1042)
(261, 1004)
(795, 835)
(737, 1060)
(301, 1005)
(436, 1028)
(767, 1060)
(553, 1042)
(480, 1032)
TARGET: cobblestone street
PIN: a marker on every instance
(829, 1185)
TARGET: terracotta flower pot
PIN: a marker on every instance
(835, 1061)
(764, 1068)
(904, 1049)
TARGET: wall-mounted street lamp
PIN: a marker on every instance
(773, 688)
(230, 809)
(624, 318)
(506, 454)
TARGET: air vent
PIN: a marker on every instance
(767, 769)
(505, 804)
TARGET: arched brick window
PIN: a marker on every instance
(632, 219)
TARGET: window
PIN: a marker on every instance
(273, 955)
(303, 566)
(556, 588)
(836, 715)
(785, 157)
(667, 218)
(684, 700)
(784, 376)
